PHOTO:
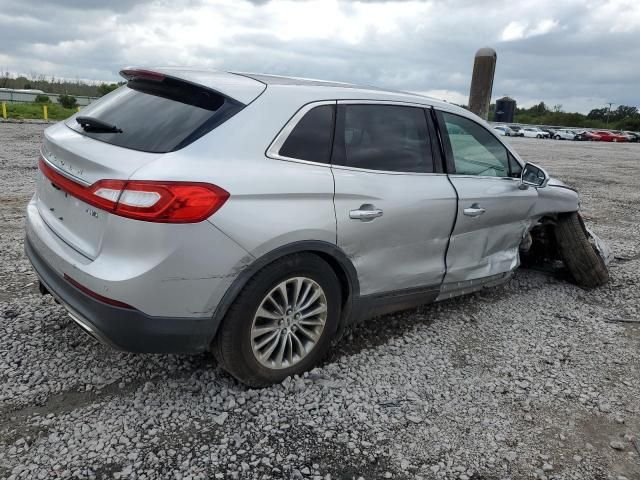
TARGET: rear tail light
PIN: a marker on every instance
(151, 201)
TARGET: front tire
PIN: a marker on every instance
(578, 253)
(282, 322)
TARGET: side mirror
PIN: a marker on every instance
(533, 176)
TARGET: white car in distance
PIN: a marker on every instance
(535, 132)
(503, 130)
(565, 134)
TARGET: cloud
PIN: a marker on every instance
(573, 52)
(517, 30)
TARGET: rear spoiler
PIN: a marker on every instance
(242, 89)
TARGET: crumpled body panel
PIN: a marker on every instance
(488, 245)
(604, 250)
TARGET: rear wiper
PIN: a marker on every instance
(96, 125)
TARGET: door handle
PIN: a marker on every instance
(365, 213)
(474, 210)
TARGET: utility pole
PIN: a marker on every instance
(609, 111)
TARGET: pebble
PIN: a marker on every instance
(485, 383)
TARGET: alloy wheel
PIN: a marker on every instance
(288, 323)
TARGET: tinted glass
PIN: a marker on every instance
(384, 137)
(157, 116)
(311, 137)
(515, 167)
(475, 150)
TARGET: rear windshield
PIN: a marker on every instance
(157, 116)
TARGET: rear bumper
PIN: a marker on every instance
(121, 328)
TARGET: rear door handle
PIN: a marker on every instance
(365, 213)
(474, 210)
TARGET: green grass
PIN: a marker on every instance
(31, 111)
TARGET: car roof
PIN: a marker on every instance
(245, 87)
(342, 90)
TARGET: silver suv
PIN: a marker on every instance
(256, 216)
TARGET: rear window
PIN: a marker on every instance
(158, 116)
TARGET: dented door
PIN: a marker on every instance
(404, 247)
(493, 213)
(486, 238)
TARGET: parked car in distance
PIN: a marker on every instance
(586, 135)
(605, 136)
(628, 135)
(534, 132)
(170, 217)
(503, 130)
(550, 131)
(635, 136)
(565, 134)
(517, 131)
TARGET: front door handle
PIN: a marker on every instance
(365, 213)
(474, 210)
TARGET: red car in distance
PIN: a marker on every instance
(587, 135)
(609, 136)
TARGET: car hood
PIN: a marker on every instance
(554, 182)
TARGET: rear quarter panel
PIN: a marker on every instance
(272, 202)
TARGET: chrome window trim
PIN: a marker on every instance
(493, 177)
(386, 172)
(274, 149)
(384, 102)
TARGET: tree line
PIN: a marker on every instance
(36, 81)
(623, 117)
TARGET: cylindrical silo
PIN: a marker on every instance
(505, 110)
(484, 67)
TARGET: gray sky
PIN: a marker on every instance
(578, 53)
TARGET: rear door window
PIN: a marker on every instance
(383, 137)
(311, 138)
(157, 116)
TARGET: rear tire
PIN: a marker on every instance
(579, 255)
(236, 346)
(557, 137)
(539, 136)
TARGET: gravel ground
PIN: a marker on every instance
(535, 379)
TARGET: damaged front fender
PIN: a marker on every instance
(556, 197)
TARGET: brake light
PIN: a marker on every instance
(95, 295)
(131, 73)
(151, 201)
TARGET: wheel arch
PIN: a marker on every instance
(330, 253)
